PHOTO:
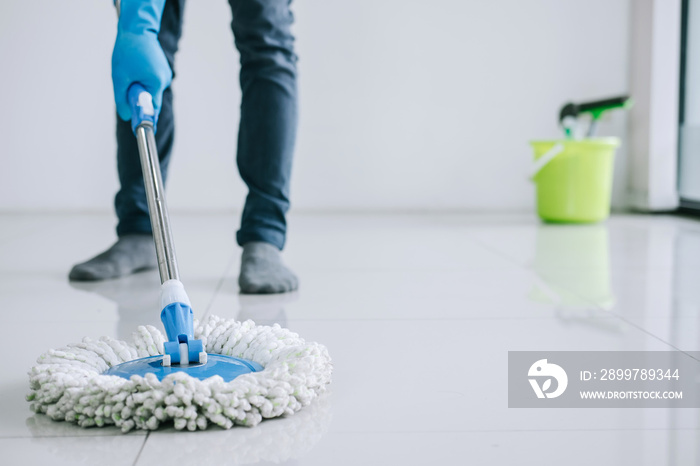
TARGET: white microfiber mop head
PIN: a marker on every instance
(67, 384)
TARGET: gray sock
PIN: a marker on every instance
(262, 270)
(131, 253)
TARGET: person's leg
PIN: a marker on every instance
(265, 139)
(134, 249)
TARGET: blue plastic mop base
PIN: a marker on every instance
(227, 367)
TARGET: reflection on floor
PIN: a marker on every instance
(418, 312)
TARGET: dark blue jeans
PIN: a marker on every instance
(267, 128)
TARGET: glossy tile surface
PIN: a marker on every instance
(418, 313)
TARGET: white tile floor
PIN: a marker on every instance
(418, 313)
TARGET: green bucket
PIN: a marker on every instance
(574, 179)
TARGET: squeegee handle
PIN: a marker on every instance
(142, 122)
(596, 108)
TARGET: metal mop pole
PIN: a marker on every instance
(157, 208)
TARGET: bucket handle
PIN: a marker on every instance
(547, 157)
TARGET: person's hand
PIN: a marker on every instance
(138, 56)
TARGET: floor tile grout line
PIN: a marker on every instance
(611, 315)
(586, 299)
(147, 435)
(478, 431)
(498, 253)
(643, 330)
(625, 320)
(219, 285)
(143, 445)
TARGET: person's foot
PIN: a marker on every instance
(262, 270)
(131, 253)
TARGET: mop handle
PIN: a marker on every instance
(142, 121)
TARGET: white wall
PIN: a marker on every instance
(405, 104)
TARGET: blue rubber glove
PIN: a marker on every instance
(138, 56)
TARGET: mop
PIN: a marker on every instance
(217, 371)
